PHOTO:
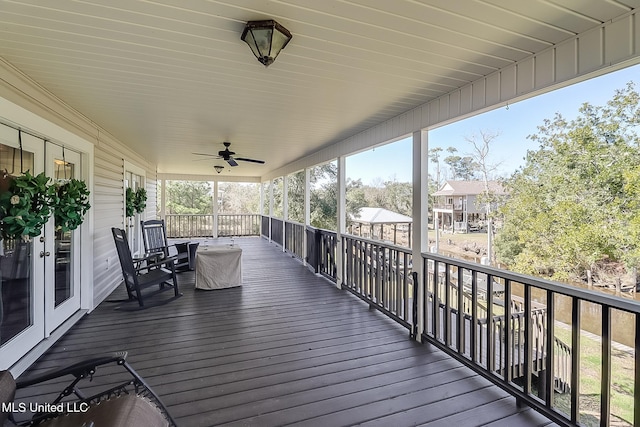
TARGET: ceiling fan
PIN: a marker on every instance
(227, 155)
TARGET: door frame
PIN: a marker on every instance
(22, 343)
(18, 117)
(55, 316)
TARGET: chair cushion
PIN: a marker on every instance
(7, 392)
(124, 411)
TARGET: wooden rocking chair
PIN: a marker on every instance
(143, 272)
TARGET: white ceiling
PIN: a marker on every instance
(172, 77)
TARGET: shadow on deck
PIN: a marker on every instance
(286, 347)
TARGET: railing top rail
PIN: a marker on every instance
(189, 214)
(380, 243)
(561, 288)
(294, 222)
(310, 227)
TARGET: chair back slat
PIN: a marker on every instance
(124, 254)
(154, 236)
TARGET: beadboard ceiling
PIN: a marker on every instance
(172, 77)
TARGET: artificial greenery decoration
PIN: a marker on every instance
(70, 203)
(130, 205)
(26, 206)
(141, 200)
(136, 201)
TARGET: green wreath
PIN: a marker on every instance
(136, 201)
(70, 203)
(26, 206)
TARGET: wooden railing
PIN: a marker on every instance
(499, 323)
(277, 226)
(196, 225)
(266, 228)
(238, 225)
(294, 238)
(523, 355)
(380, 274)
(188, 226)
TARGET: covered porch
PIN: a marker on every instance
(287, 347)
(137, 92)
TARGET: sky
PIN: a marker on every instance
(514, 124)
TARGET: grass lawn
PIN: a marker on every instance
(622, 374)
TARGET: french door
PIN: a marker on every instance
(62, 248)
(21, 280)
(39, 278)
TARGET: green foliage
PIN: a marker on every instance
(463, 167)
(189, 197)
(130, 202)
(295, 188)
(238, 198)
(136, 201)
(26, 206)
(574, 204)
(70, 204)
(278, 197)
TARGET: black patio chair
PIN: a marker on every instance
(118, 396)
(154, 238)
(141, 273)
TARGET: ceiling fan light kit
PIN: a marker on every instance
(266, 39)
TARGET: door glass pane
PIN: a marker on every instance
(16, 282)
(63, 243)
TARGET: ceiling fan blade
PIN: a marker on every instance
(250, 160)
(232, 162)
(203, 154)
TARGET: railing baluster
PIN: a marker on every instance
(491, 339)
(527, 340)
(575, 359)
(549, 344)
(436, 303)
(474, 317)
(508, 360)
(446, 310)
(636, 382)
(605, 382)
(461, 328)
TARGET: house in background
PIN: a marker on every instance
(459, 207)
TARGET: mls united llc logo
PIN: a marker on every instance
(64, 407)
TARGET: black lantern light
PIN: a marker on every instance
(266, 39)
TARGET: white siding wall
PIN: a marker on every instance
(109, 156)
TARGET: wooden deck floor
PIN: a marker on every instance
(286, 348)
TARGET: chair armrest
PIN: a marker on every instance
(79, 370)
(153, 261)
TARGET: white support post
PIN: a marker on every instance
(263, 232)
(163, 200)
(420, 215)
(215, 209)
(307, 210)
(285, 209)
(270, 207)
(342, 220)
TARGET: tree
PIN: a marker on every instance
(434, 156)
(463, 168)
(295, 187)
(188, 197)
(574, 205)
(481, 148)
(239, 198)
